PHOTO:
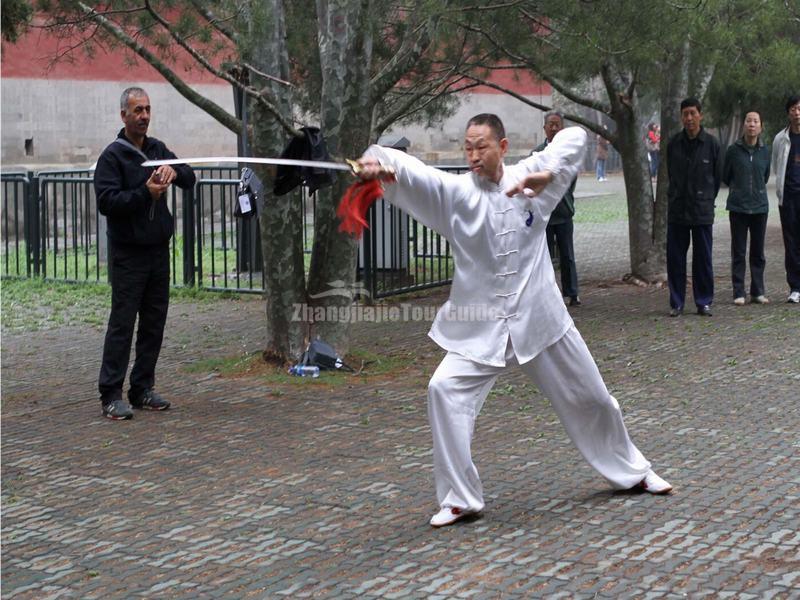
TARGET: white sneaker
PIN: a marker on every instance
(448, 515)
(653, 484)
(794, 298)
(759, 299)
(738, 301)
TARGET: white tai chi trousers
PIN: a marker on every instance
(567, 375)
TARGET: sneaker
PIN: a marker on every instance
(653, 484)
(739, 301)
(449, 515)
(150, 400)
(117, 410)
(575, 301)
(762, 299)
(794, 298)
(704, 310)
(676, 312)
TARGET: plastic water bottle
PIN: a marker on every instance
(304, 371)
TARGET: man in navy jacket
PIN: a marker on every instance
(140, 225)
(694, 164)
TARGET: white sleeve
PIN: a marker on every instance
(775, 156)
(425, 193)
(563, 158)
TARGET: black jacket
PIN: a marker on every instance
(119, 184)
(695, 173)
(746, 173)
(564, 210)
(310, 146)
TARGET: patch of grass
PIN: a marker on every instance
(80, 264)
(369, 367)
(33, 304)
(601, 209)
(229, 365)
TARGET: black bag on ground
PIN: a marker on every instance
(319, 354)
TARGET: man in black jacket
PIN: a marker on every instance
(560, 228)
(134, 201)
(694, 164)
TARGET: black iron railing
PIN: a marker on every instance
(51, 229)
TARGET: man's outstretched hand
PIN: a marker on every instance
(368, 168)
(532, 184)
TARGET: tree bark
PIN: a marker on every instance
(647, 254)
(282, 220)
(345, 34)
(674, 88)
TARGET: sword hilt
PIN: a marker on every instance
(386, 173)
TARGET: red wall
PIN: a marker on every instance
(31, 56)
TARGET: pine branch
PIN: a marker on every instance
(575, 118)
(215, 22)
(212, 108)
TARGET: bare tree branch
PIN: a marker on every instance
(259, 95)
(104, 13)
(212, 108)
(419, 92)
(51, 63)
(411, 51)
(530, 64)
(266, 76)
(591, 125)
(215, 22)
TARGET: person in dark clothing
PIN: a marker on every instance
(746, 173)
(694, 166)
(134, 201)
(786, 166)
(560, 228)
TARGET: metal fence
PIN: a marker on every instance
(51, 229)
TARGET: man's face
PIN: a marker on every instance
(552, 125)
(485, 152)
(794, 116)
(691, 118)
(137, 116)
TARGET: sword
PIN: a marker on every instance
(348, 165)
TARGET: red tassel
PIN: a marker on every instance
(352, 210)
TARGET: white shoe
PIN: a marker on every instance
(762, 299)
(738, 301)
(794, 298)
(448, 515)
(653, 484)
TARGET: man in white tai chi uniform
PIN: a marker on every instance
(504, 307)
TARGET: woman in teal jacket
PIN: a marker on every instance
(746, 173)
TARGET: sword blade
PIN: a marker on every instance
(289, 162)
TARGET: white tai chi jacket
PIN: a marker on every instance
(504, 286)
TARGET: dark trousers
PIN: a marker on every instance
(654, 157)
(756, 225)
(561, 234)
(790, 224)
(678, 237)
(139, 286)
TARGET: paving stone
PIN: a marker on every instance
(326, 492)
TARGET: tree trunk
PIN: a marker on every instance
(282, 220)
(647, 255)
(674, 88)
(345, 36)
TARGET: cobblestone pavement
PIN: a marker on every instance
(249, 489)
